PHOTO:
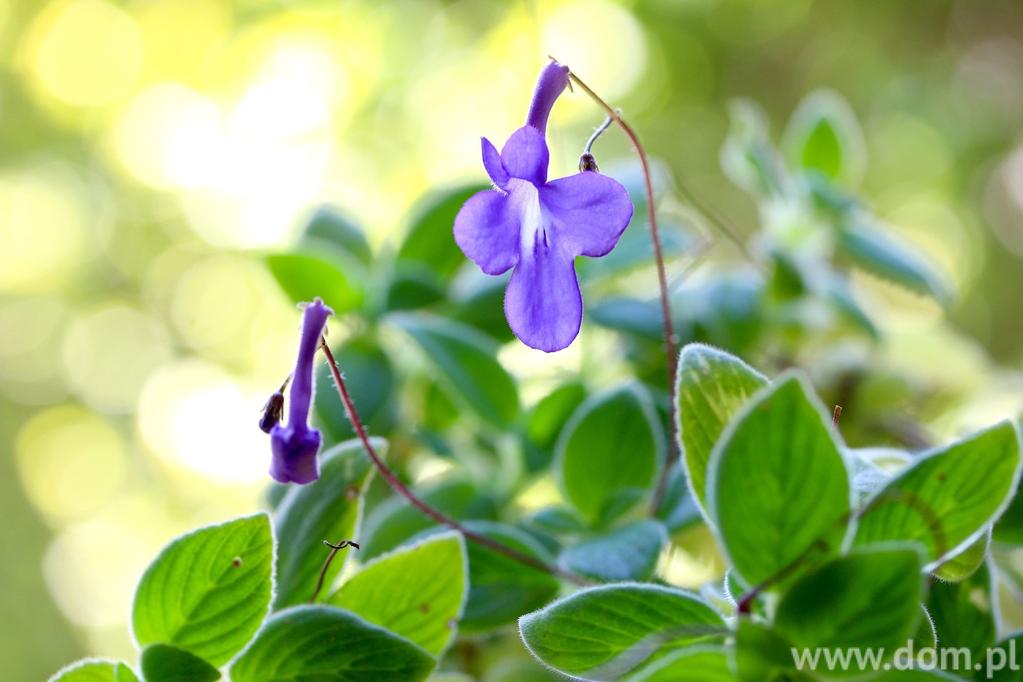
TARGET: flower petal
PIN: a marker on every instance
(294, 454)
(587, 212)
(543, 304)
(525, 155)
(487, 231)
(492, 162)
(552, 82)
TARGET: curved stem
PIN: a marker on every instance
(662, 280)
(400, 488)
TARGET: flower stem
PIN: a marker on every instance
(662, 280)
(401, 489)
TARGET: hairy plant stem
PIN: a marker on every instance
(401, 489)
(670, 341)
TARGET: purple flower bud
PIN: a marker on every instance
(552, 82)
(295, 444)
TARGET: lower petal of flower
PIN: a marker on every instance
(543, 304)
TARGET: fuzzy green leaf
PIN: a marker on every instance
(603, 633)
(417, 591)
(208, 591)
(777, 483)
(92, 670)
(609, 453)
(319, 643)
(466, 361)
(328, 509)
(712, 388)
(627, 553)
(948, 496)
(163, 663)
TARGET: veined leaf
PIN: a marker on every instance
(609, 453)
(627, 553)
(466, 361)
(417, 591)
(777, 484)
(208, 591)
(305, 275)
(712, 387)
(319, 643)
(868, 600)
(328, 509)
(162, 663)
(603, 633)
(888, 258)
(95, 670)
(947, 497)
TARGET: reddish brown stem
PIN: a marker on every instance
(662, 280)
(400, 488)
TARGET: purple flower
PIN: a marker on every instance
(295, 443)
(539, 227)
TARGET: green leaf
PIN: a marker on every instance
(887, 257)
(630, 315)
(678, 508)
(328, 509)
(777, 483)
(466, 360)
(966, 563)
(1009, 527)
(163, 663)
(700, 663)
(500, 588)
(430, 241)
(319, 643)
(413, 287)
(866, 600)
(417, 591)
(394, 520)
(945, 499)
(558, 520)
(480, 304)
(603, 633)
(330, 226)
(824, 136)
(95, 670)
(304, 275)
(748, 157)
(628, 553)
(925, 636)
(208, 591)
(370, 378)
(964, 613)
(610, 448)
(546, 420)
(712, 388)
(762, 654)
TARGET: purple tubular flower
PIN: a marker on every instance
(539, 227)
(295, 443)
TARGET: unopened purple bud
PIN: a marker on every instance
(552, 82)
(296, 444)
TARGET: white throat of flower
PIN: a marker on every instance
(525, 200)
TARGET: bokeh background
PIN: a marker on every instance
(152, 150)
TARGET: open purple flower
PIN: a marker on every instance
(539, 227)
(295, 443)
